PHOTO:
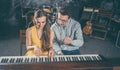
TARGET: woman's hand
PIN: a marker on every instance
(51, 53)
(37, 51)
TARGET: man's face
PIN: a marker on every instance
(40, 22)
(63, 19)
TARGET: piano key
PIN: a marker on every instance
(99, 58)
(82, 58)
(65, 59)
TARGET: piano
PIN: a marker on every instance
(64, 62)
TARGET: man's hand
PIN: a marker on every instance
(60, 53)
(67, 40)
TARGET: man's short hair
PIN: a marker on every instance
(65, 10)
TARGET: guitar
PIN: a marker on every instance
(88, 28)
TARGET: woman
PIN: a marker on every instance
(38, 36)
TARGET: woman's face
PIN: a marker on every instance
(40, 22)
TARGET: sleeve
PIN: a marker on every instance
(78, 40)
(57, 48)
(56, 45)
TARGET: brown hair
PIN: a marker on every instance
(46, 30)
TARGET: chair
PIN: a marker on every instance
(22, 40)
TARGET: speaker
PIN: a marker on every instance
(118, 40)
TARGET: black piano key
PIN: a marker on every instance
(89, 59)
(40, 60)
(62, 58)
(3, 61)
(46, 59)
(67, 58)
(99, 58)
(70, 58)
(86, 58)
(26, 60)
(54, 59)
(76, 58)
(11, 60)
(82, 58)
(59, 59)
(94, 58)
(20, 60)
(6, 60)
(33, 59)
(73, 59)
(36, 59)
(49, 60)
(17, 60)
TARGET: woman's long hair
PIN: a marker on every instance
(46, 30)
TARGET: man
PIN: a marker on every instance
(67, 34)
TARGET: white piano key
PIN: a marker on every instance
(97, 58)
(91, 58)
(65, 59)
(84, 58)
(57, 59)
